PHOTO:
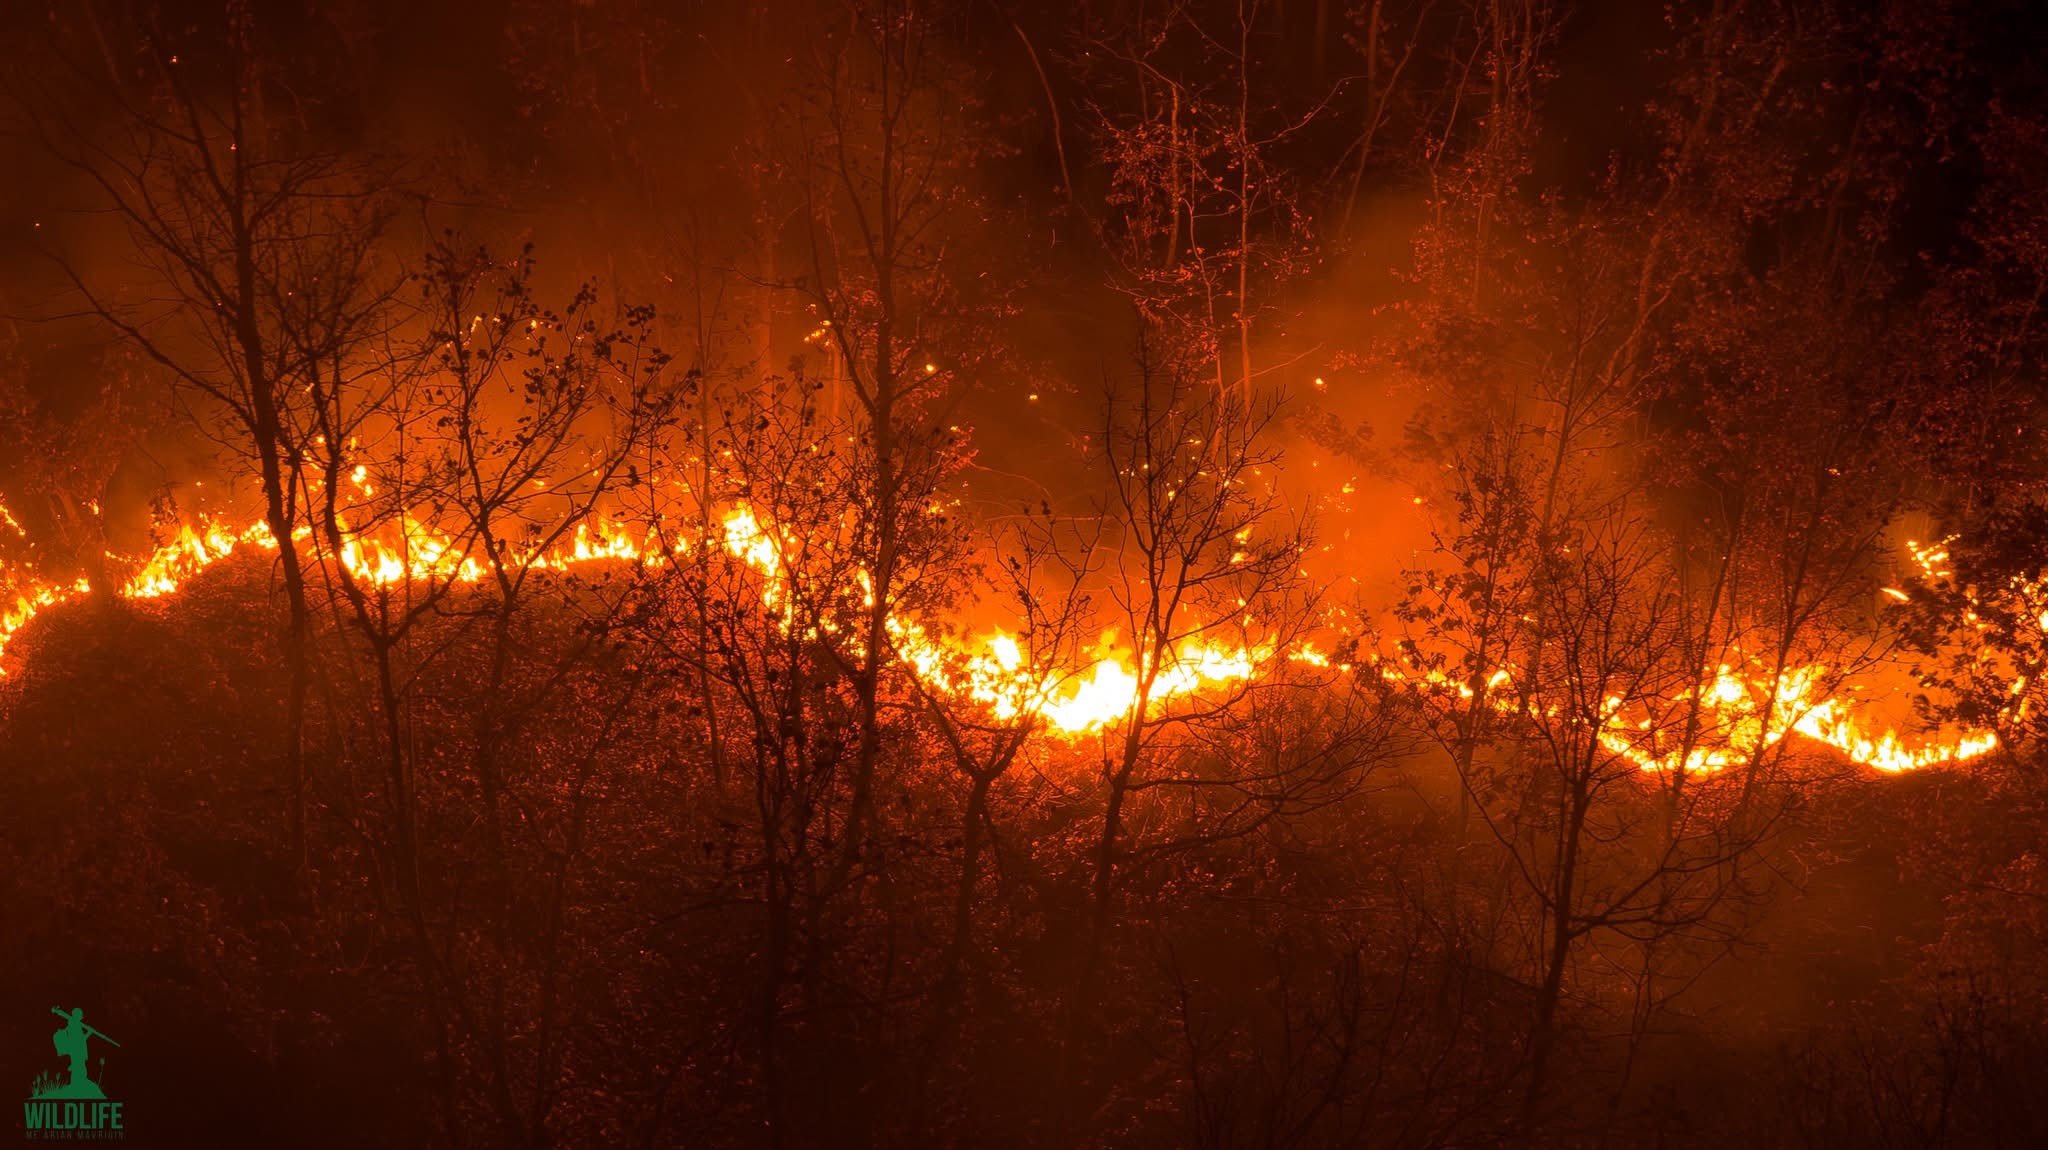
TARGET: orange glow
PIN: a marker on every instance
(1731, 718)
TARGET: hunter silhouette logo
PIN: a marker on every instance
(71, 1106)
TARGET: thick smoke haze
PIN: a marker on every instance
(1281, 573)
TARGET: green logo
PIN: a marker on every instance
(70, 1106)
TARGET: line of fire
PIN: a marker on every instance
(1037, 573)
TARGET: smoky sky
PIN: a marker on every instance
(622, 141)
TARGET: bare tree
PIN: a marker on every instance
(1202, 222)
(258, 247)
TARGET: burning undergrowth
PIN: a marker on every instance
(1311, 574)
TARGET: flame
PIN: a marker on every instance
(1738, 714)
(1726, 721)
(995, 671)
(187, 555)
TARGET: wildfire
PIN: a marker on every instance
(1739, 714)
(995, 671)
(187, 555)
(1722, 723)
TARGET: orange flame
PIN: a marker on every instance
(1737, 714)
